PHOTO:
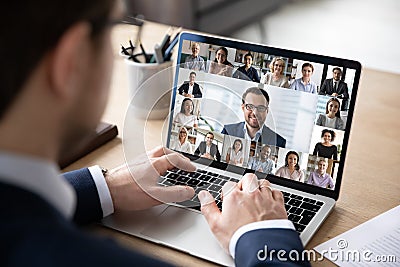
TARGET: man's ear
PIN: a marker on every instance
(67, 57)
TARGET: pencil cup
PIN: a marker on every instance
(150, 87)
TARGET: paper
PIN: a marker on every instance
(373, 243)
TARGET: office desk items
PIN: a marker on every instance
(103, 133)
(289, 126)
(375, 242)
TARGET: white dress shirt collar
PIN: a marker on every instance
(40, 177)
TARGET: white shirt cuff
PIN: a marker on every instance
(282, 224)
(102, 188)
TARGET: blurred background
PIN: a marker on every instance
(363, 30)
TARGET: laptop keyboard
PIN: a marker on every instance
(300, 210)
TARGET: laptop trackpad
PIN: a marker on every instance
(187, 231)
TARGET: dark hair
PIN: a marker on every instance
(241, 144)
(297, 167)
(307, 64)
(332, 133)
(209, 133)
(226, 62)
(34, 30)
(193, 73)
(337, 68)
(333, 100)
(256, 91)
(183, 104)
(248, 55)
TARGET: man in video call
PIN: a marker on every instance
(255, 105)
(207, 149)
(247, 70)
(336, 87)
(66, 68)
(191, 88)
(264, 164)
(195, 61)
(320, 178)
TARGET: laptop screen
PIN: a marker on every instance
(283, 114)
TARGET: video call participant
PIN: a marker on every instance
(291, 170)
(331, 118)
(207, 149)
(336, 87)
(191, 88)
(264, 164)
(61, 73)
(185, 116)
(276, 76)
(235, 153)
(320, 178)
(247, 70)
(194, 61)
(182, 144)
(326, 149)
(304, 84)
(221, 65)
(255, 104)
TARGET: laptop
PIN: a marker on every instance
(300, 147)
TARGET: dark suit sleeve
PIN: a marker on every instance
(256, 77)
(197, 151)
(224, 131)
(251, 247)
(88, 207)
(345, 91)
(181, 89)
(196, 91)
(323, 88)
(217, 155)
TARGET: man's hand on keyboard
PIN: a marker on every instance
(243, 203)
(134, 186)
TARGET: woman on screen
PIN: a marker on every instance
(331, 118)
(276, 76)
(235, 153)
(221, 65)
(185, 117)
(291, 170)
(326, 149)
(182, 144)
(304, 84)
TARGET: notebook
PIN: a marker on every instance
(239, 107)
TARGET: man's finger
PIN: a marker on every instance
(170, 194)
(209, 208)
(249, 183)
(167, 162)
(159, 151)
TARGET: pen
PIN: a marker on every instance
(168, 51)
(125, 51)
(146, 57)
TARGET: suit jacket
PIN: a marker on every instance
(34, 233)
(184, 88)
(268, 136)
(201, 149)
(327, 89)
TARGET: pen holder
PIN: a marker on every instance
(150, 87)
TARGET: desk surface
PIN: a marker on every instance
(370, 185)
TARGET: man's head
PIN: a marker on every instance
(248, 60)
(255, 104)
(195, 49)
(57, 57)
(337, 73)
(192, 77)
(265, 152)
(209, 138)
(322, 165)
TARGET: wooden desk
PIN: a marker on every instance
(370, 184)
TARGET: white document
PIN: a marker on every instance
(373, 243)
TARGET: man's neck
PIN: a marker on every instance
(252, 131)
